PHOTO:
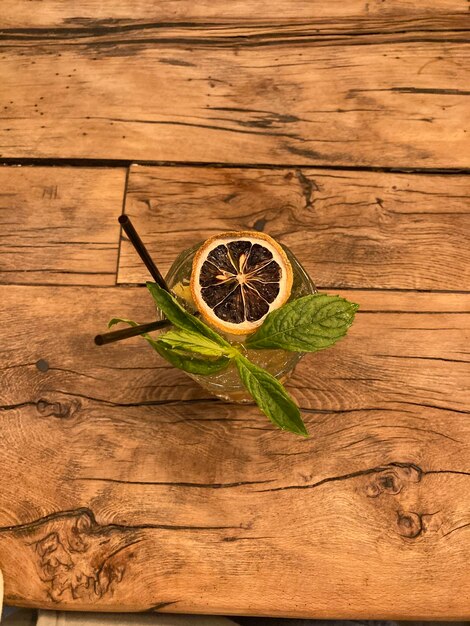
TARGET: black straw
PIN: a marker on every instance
(132, 331)
(142, 251)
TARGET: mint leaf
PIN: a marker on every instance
(116, 320)
(307, 324)
(270, 396)
(186, 362)
(179, 317)
(194, 342)
(190, 363)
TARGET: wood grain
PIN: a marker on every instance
(122, 483)
(283, 95)
(23, 14)
(113, 493)
(59, 225)
(402, 349)
(350, 229)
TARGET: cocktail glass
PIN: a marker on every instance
(226, 384)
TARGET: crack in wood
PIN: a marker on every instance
(457, 472)
(86, 27)
(120, 230)
(422, 90)
(42, 403)
(423, 430)
(453, 530)
(159, 606)
(58, 409)
(308, 186)
(268, 133)
(252, 538)
(423, 358)
(86, 162)
(48, 270)
(95, 41)
(90, 516)
(352, 93)
(370, 471)
(433, 406)
(18, 405)
(173, 484)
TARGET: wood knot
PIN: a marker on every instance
(61, 410)
(260, 224)
(392, 480)
(388, 482)
(42, 365)
(410, 525)
(79, 558)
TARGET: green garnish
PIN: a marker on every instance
(179, 317)
(178, 358)
(270, 396)
(308, 324)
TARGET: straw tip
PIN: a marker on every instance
(99, 341)
(123, 219)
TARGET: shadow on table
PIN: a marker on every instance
(27, 617)
(272, 621)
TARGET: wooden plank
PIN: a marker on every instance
(59, 225)
(283, 95)
(393, 357)
(23, 14)
(350, 229)
(367, 517)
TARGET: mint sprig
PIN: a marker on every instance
(186, 362)
(191, 364)
(179, 317)
(194, 342)
(270, 396)
(308, 324)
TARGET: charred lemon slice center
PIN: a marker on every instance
(238, 278)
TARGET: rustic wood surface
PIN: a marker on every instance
(240, 92)
(351, 229)
(23, 14)
(118, 459)
(59, 225)
(123, 485)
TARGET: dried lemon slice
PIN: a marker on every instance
(238, 278)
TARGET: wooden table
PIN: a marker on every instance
(337, 126)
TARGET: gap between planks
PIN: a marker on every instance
(128, 163)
